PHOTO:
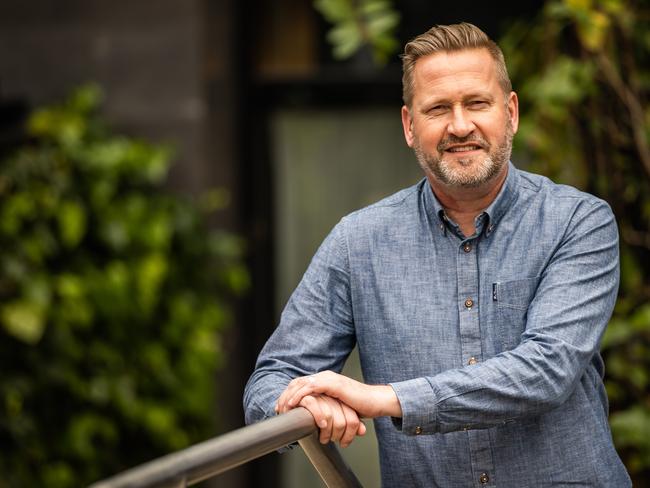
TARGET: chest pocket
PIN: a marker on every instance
(512, 299)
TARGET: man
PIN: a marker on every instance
(477, 298)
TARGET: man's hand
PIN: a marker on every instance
(367, 400)
(336, 421)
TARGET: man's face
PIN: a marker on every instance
(460, 123)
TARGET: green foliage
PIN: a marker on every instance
(583, 75)
(111, 302)
(358, 23)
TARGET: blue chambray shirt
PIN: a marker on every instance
(490, 342)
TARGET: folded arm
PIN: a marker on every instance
(565, 322)
(316, 333)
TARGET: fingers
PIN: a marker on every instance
(325, 382)
(320, 411)
(295, 385)
(307, 386)
(325, 395)
(353, 426)
(337, 422)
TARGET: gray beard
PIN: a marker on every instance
(485, 170)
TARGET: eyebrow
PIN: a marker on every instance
(444, 100)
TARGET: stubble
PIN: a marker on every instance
(471, 172)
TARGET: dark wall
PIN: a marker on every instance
(149, 56)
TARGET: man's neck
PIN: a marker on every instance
(463, 205)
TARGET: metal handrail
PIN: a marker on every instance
(212, 457)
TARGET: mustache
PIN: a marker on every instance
(454, 140)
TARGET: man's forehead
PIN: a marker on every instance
(469, 69)
(442, 62)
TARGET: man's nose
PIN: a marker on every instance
(461, 124)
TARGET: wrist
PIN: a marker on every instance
(388, 402)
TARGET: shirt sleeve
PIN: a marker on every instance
(565, 323)
(315, 333)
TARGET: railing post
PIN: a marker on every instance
(327, 460)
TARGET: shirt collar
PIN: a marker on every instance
(494, 211)
(504, 199)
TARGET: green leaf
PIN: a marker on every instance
(371, 7)
(359, 23)
(631, 274)
(16, 210)
(237, 279)
(617, 332)
(613, 7)
(335, 10)
(593, 30)
(66, 128)
(383, 23)
(579, 6)
(564, 83)
(632, 428)
(70, 286)
(88, 432)
(86, 98)
(346, 38)
(157, 230)
(72, 223)
(58, 474)
(151, 272)
(24, 320)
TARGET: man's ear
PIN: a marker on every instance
(513, 111)
(407, 125)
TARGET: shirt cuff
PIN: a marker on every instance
(418, 402)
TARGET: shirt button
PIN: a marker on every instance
(484, 478)
(472, 361)
(469, 303)
(418, 430)
(467, 247)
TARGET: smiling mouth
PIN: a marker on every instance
(467, 148)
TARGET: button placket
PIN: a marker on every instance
(467, 268)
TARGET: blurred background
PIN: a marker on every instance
(168, 169)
